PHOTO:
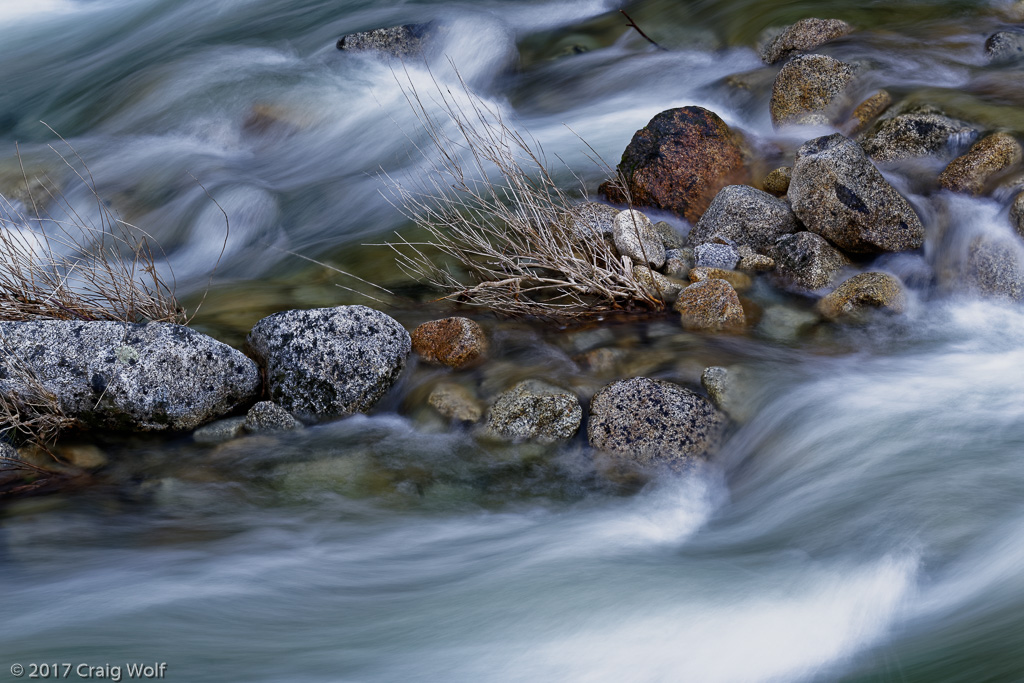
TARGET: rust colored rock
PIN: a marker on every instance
(777, 182)
(988, 157)
(712, 305)
(679, 161)
(867, 111)
(864, 291)
(455, 342)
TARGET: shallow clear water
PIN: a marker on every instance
(866, 523)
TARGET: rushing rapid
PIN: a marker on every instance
(866, 522)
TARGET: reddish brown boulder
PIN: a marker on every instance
(455, 342)
(679, 161)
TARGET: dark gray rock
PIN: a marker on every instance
(807, 261)
(839, 194)
(126, 376)
(713, 255)
(916, 134)
(803, 36)
(653, 422)
(399, 41)
(327, 363)
(809, 89)
(535, 410)
(267, 416)
(744, 215)
(636, 238)
(1005, 46)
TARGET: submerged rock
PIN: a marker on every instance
(995, 267)
(988, 157)
(455, 402)
(267, 416)
(653, 422)
(327, 363)
(777, 182)
(220, 431)
(1004, 46)
(123, 376)
(864, 291)
(807, 261)
(399, 41)
(744, 215)
(839, 194)
(636, 238)
(711, 305)
(454, 342)
(803, 36)
(915, 134)
(867, 111)
(679, 161)
(808, 88)
(535, 410)
(741, 282)
(1017, 214)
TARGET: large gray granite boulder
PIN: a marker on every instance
(744, 215)
(126, 376)
(326, 363)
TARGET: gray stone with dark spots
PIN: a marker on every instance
(398, 41)
(838, 193)
(712, 255)
(1005, 46)
(126, 376)
(807, 261)
(267, 416)
(654, 422)
(537, 411)
(745, 215)
(326, 363)
(802, 36)
(920, 133)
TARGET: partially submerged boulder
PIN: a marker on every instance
(407, 40)
(807, 261)
(863, 292)
(326, 363)
(1004, 46)
(537, 411)
(839, 194)
(803, 36)
(987, 158)
(919, 133)
(455, 342)
(679, 161)
(124, 376)
(267, 416)
(867, 111)
(710, 305)
(456, 402)
(744, 215)
(653, 422)
(808, 89)
(995, 267)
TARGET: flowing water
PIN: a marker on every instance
(865, 523)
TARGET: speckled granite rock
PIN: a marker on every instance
(741, 282)
(326, 363)
(399, 41)
(808, 88)
(1004, 46)
(867, 111)
(988, 157)
(121, 376)
(913, 134)
(803, 36)
(995, 266)
(715, 255)
(838, 193)
(653, 422)
(864, 291)
(535, 410)
(455, 402)
(745, 215)
(710, 305)
(592, 220)
(807, 261)
(636, 238)
(455, 342)
(777, 182)
(267, 416)
(656, 284)
(1017, 214)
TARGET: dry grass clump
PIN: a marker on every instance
(499, 228)
(31, 413)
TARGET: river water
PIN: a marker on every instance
(865, 523)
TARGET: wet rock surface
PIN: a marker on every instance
(838, 193)
(808, 88)
(714, 255)
(456, 402)
(653, 422)
(327, 363)
(777, 182)
(535, 410)
(123, 376)
(987, 158)
(744, 215)
(867, 111)
(267, 416)
(710, 305)
(455, 342)
(916, 134)
(861, 293)
(1017, 214)
(407, 40)
(995, 267)
(807, 261)
(679, 161)
(1005, 46)
(803, 36)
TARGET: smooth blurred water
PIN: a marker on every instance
(866, 524)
